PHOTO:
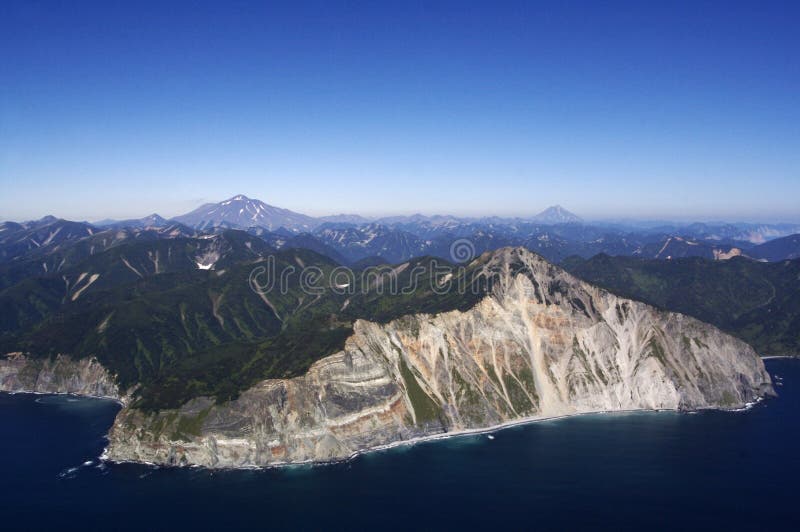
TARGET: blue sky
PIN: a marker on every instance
(641, 109)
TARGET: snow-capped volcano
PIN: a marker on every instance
(241, 211)
(557, 215)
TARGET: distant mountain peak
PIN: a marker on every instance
(238, 197)
(557, 215)
(155, 218)
(243, 212)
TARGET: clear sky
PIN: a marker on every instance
(642, 109)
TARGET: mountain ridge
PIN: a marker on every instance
(538, 344)
(244, 212)
(255, 379)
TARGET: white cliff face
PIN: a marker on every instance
(61, 374)
(542, 344)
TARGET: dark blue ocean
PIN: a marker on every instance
(705, 471)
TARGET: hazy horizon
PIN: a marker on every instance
(588, 219)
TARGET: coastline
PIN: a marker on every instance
(476, 467)
(104, 457)
(400, 443)
(117, 400)
(429, 438)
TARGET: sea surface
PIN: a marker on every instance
(658, 470)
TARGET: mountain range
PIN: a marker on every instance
(214, 373)
(164, 316)
(242, 212)
(350, 239)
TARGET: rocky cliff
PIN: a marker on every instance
(61, 374)
(540, 344)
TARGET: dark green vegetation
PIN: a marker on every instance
(756, 301)
(425, 408)
(147, 312)
(173, 312)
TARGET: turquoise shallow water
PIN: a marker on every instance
(710, 470)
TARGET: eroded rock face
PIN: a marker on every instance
(62, 374)
(542, 344)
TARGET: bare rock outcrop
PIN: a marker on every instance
(62, 374)
(540, 344)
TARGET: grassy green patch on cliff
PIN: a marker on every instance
(189, 426)
(425, 408)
